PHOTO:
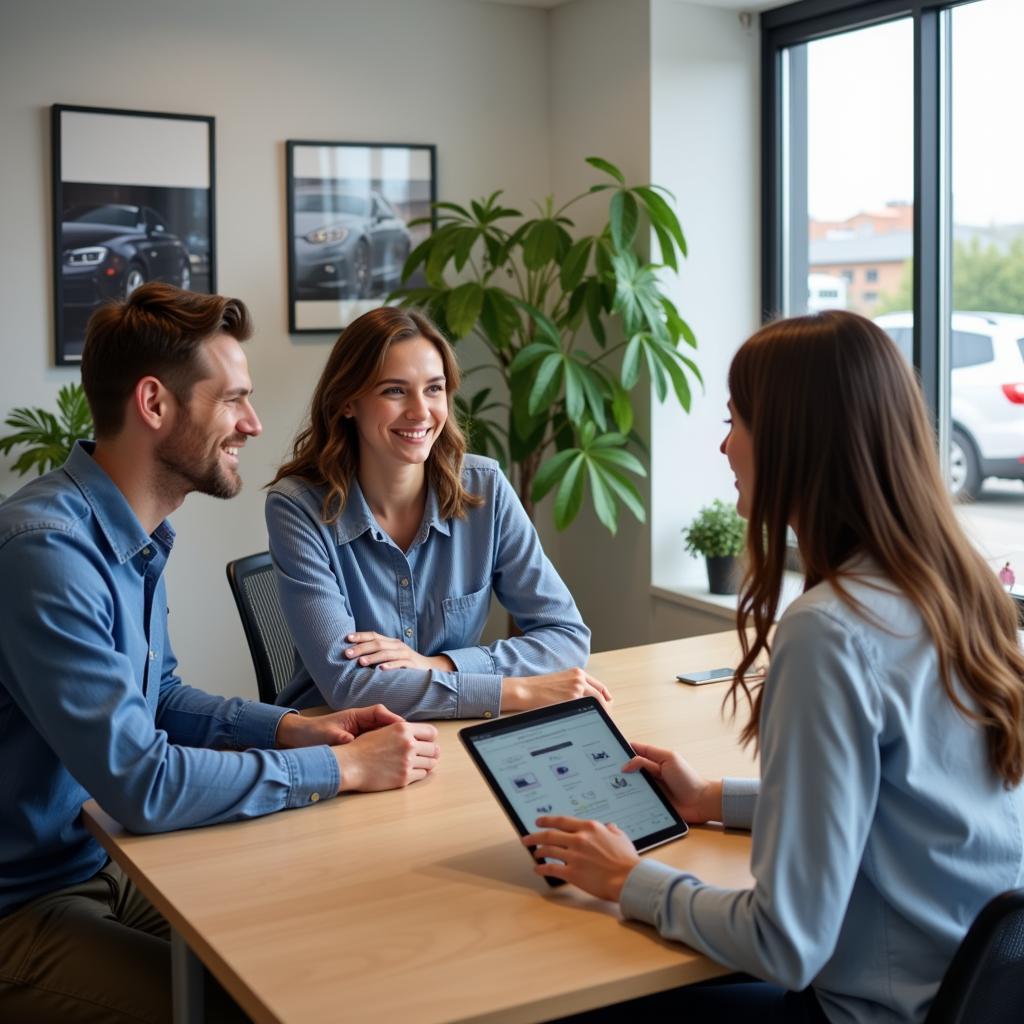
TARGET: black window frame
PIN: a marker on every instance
(804, 22)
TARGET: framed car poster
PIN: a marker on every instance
(350, 208)
(133, 201)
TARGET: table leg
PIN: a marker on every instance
(186, 982)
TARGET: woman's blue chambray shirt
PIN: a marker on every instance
(880, 829)
(90, 701)
(347, 576)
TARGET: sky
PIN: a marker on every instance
(860, 116)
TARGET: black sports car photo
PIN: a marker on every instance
(107, 251)
(347, 246)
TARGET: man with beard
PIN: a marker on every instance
(90, 702)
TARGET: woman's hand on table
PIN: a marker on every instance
(520, 693)
(595, 857)
(387, 652)
(695, 798)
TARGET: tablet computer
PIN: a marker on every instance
(567, 759)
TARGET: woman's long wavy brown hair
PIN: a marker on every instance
(843, 448)
(326, 450)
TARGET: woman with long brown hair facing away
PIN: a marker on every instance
(388, 541)
(890, 724)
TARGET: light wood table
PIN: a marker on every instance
(419, 904)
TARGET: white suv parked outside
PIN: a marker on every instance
(986, 394)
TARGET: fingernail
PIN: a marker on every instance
(349, 653)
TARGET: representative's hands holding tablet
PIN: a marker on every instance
(375, 748)
(598, 857)
(695, 798)
(595, 857)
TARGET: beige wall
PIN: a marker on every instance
(514, 97)
(468, 76)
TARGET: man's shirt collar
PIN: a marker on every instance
(118, 522)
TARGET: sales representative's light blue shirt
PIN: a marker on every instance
(349, 575)
(880, 829)
(90, 705)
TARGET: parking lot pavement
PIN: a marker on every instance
(995, 522)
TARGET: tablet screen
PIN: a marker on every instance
(569, 763)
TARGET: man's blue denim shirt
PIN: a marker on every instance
(90, 705)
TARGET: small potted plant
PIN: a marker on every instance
(718, 533)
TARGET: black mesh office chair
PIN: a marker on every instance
(984, 983)
(270, 642)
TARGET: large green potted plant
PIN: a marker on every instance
(48, 437)
(571, 323)
(719, 533)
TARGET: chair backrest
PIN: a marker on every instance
(984, 983)
(270, 642)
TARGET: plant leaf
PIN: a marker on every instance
(546, 383)
(540, 244)
(594, 304)
(530, 354)
(575, 263)
(625, 490)
(499, 317)
(463, 308)
(569, 496)
(594, 386)
(575, 399)
(551, 472)
(630, 372)
(619, 456)
(545, 324)
(624, 216)
(622, 407)
(662, 214)
(668, 250)
(604, 504)
(608, 168)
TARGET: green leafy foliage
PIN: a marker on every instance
(49, 437)
(718, 530)
(546, 301)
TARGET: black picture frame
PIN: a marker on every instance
(349, 205)
(133, 200)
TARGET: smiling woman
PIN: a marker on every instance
(389, 541)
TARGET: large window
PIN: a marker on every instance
(901, 199)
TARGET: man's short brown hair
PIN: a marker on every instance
(157, 331)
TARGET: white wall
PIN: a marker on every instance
(705, 146)
(470, 77)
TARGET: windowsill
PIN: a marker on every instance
(722, 606)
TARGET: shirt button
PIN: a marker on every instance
(408, 632)
(147, 552)
(487, 714)
(152, 655)
(313, 797)
(404, 581)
